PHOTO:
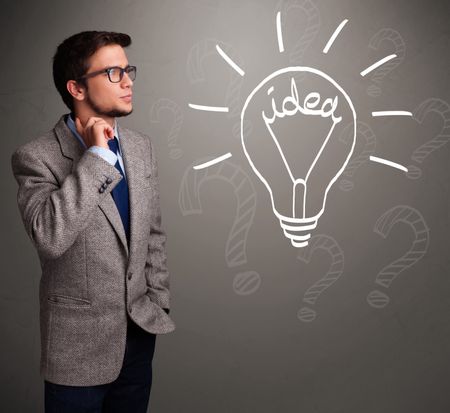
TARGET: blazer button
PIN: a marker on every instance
(101, 190)
(130, 274)
(104, 185)
(109, 180)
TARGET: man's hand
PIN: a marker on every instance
(96, 132)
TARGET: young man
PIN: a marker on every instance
(89, 200)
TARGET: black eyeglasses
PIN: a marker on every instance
(115, 73)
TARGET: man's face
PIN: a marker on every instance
(104, 97)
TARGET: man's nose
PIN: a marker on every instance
(126, 81)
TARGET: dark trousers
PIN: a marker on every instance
(129, 393)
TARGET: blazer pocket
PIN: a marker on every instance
(67, 301)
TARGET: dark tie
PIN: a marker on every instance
(120, 192)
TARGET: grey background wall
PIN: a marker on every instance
(358, 321)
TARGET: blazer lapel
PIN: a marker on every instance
(134, 170)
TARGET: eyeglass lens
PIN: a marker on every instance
(116, 73)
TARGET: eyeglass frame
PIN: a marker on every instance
(107, 70)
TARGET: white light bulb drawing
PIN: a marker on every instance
(303, 218)
(298, 181)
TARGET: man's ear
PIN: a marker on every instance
(77, 90)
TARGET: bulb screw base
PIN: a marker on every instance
(298, 229)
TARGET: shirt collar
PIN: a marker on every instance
(71, 124)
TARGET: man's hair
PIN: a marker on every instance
(70, 61)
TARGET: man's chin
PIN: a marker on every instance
(118, 113)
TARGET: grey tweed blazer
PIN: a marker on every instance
(90, 279)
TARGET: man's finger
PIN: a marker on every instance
(111, 132)
(92, 121)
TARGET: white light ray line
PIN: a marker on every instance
(279, 34)
(379, 63)
(214, 161)
(229, 61)
(335, 34)
(388, 163)
(391, 113)
(209, 108)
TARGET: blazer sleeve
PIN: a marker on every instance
(156, 271)
(54, 214)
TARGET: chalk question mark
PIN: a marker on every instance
(442, 109)
(364, 133)
(235, 252)
(165, 104)
(413, 218)
(196, 73)
(331, 246)
(246, 282)
(310, 31)
(378, 75)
